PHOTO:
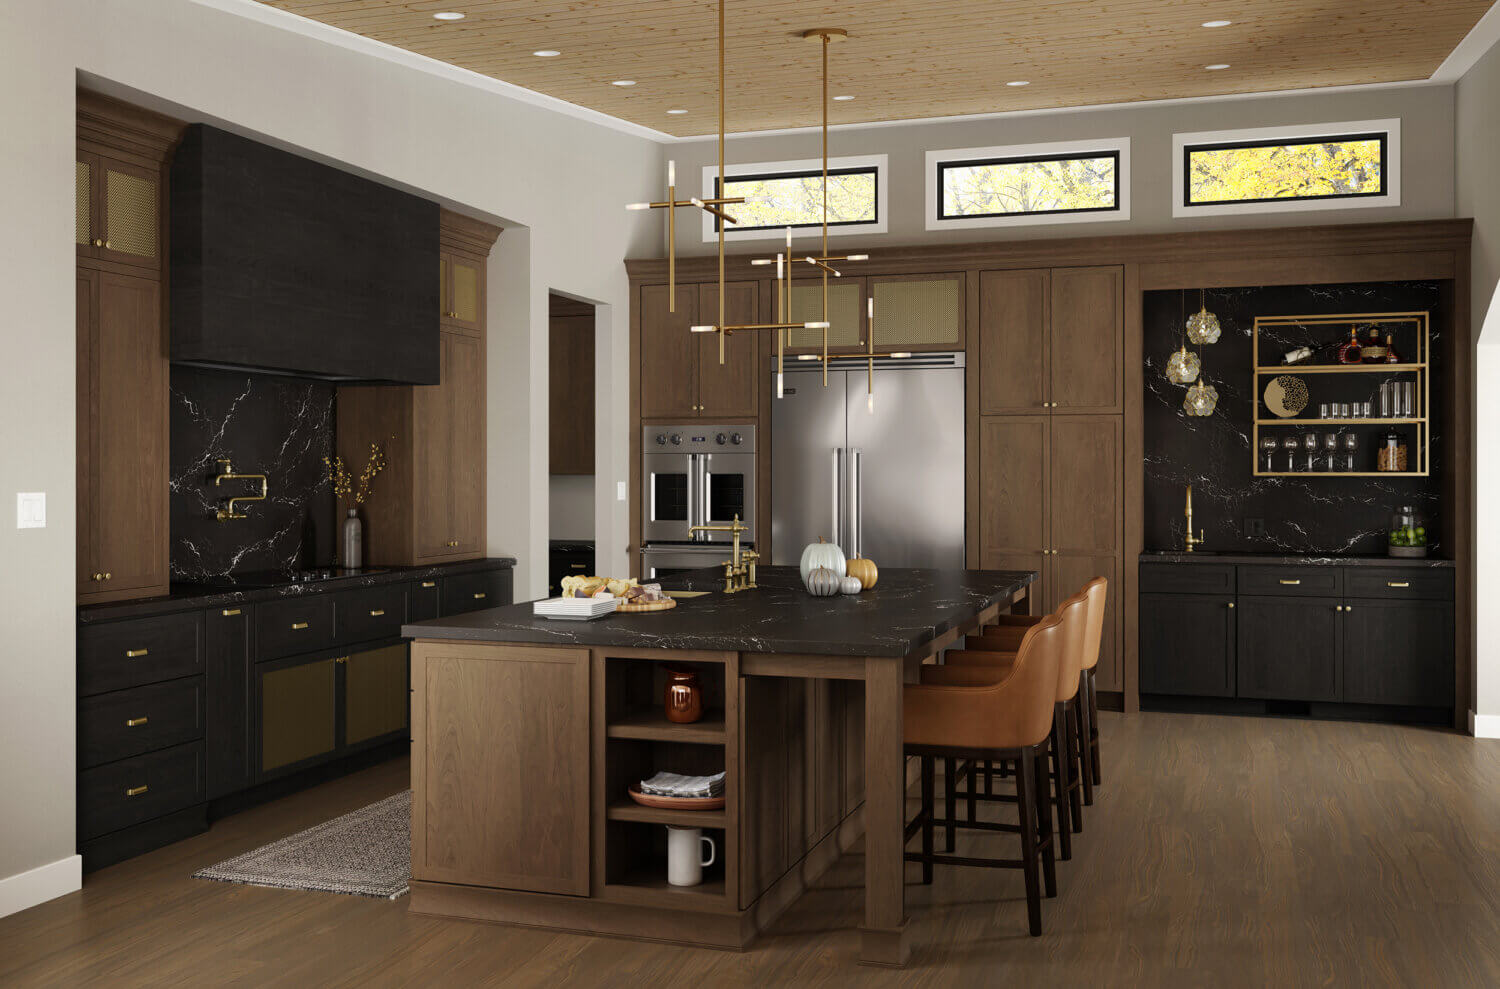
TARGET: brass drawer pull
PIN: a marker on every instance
(230, 612)
(135, 653)
(136, 791)
(1231, 604)
(376, 612)
(578, 566)
(298, 626)
(429, 583)
(1398, 583)
(133, 722)
(1290, 583)
(478, 595)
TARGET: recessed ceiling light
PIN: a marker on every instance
(676, 112)
(448, 15)
(1019, 82)
(623, 82)
(1217, 66)
(546, 53)
(843, 99)
(1217, 23)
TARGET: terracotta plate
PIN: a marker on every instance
(676, 803)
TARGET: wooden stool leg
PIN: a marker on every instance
(927, 803)
(1070, 740)
(1085, 759)
(1094, 725)
(950, 802)
(1026, 795)
(1060, 785)
(989, 777)
(1044, 825)
(973, 789)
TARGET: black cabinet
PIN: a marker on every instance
(567, 559)
(424, 600)
(227, 675)
(1188, 644)
(474, 592)
(1289, 648)
(1398, 652)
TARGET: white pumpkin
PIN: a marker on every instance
(823, 583)
(826, 555)
(851, 585)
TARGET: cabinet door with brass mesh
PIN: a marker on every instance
(376, 692)
(131, 213)
(84, 171)
(465, 294)
(918, 312)
(846, 313)
(298, 715)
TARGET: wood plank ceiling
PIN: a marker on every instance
(910, 58)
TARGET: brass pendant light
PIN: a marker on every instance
(1203, 326)
(1183, 366)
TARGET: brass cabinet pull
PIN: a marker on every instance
(98, 242)
(479, 596)
(135, 653)
(1231, 604)
(1398, 583)
(341, 659)
(107, 245)
(1338, 607)
(579, 566)
(135, 721)
(136, 791)
(107, 575)
(298, 626)
(429, 583)
(1290, 583)
(1348, 607)
(376, 612)
(230, 612)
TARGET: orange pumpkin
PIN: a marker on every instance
(865, 570)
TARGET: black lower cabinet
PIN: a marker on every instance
(1188, 644)
(1289, 648)
(227, 670)
(295, 711)
(1399, 653)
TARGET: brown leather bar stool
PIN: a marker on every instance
(1098, 593)
(1068, 755)
(1007, 720)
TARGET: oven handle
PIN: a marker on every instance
(704, 475)
(692, 499)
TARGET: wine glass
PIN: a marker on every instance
(1268, 444)
(1331, 448)
(1351, 446)
(1310, 444)
(1290, 446)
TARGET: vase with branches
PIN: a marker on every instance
(354, 490)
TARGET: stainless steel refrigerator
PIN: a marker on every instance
(887, 484)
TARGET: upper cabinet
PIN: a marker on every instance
(117, 210)
(681, 374)
(912, 312)
(1051, 340)
(465, 251)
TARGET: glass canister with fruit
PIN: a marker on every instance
(1408, 535)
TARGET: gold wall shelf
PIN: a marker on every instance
(1419, 450)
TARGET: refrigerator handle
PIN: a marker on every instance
(856, 501)
(837, 536)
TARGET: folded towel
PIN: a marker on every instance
(677, 785)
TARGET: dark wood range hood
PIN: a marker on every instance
(285, 265)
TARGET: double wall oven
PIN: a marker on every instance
(693, 475)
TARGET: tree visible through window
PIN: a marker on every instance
(1014, 186)
(796, 199)
(1321, 168)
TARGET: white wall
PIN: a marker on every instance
(1426, 114)
(556, 181)
(1478, 149)
(572, 515)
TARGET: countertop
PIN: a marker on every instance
(190, 597)
(1285, 560)
(906, 609)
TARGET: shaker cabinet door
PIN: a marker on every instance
(1087, 339)
(1188, 644)
(448, 449)
(1290, 648)
(728, 390)
(1013, 352)
(669, 353)
(1398, 652)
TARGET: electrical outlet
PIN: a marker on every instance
(1255, 528)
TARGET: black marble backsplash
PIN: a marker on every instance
(1316, 514)
(278, 426)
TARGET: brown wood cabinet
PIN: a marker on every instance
(681, 377)
(570, 397)
(462, 292)
(122, 370)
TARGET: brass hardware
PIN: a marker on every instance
(1290, 583)
(1348, 607)
(226, 473)
(136, 791)
(107, 245)
(429, 583)
(1338, 607)
(135, 653)
(108, 575)
(479, 595)
(1398, 583)
(739, 569)
(578, 566)
(1188, 542)
(298, 626)
(131, 723)
(230, 612)
(97, 577)
(1231, 604)
(98, 242)
(341, 659)
(377, 612)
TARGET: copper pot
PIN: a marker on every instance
(684, 696)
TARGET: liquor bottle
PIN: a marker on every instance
(1374, 350)
(1391, 357)
(1350, 351)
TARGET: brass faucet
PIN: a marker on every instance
(1188, 542)
(226, 473)
(739, 569)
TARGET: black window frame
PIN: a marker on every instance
(1114, 153)
(1384, 137)
(801, 173)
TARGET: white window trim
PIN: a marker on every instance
(1059, 149)
(1392, 196)
(882, 190)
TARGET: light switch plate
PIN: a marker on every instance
(31, 510)
(621, 491)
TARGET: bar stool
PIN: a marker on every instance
(1098, 593)
(1008, 720)
(1068, 754)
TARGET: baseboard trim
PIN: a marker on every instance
(46, 882)
(1484, 725)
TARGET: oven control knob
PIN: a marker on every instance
(661, 439)
(677, 439)
(736, 439)
(721, 439)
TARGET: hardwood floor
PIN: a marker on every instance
(1228, 851)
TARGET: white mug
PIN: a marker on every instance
(684, 864)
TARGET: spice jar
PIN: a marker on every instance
(684, 696)
(1392, 454)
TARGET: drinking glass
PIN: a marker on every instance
(1290, 446)
(1330, 450)
(1386, 399)
(1268, 445)
(1310, 444)
(1351, 447)
(1323, 411)
(1344, 410)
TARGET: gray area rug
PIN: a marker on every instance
(364, 853)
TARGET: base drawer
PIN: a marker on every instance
(1292, 581)
(286, 628)
(475, 591)
(1400, 583)
(370, 614)
(128, 723)
(117, 655)
(119, 794)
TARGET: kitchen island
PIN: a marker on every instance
(526, 733)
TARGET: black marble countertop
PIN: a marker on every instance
(191, 597)
(906, 609)
(1283, 559)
